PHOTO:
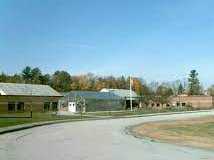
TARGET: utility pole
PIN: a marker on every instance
(31, 106)
(130, 94)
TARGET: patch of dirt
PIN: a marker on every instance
(162, 131)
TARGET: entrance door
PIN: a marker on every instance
(72, 107)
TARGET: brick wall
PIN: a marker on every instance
(202, 102)
(36, 102)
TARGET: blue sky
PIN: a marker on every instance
(153, 39)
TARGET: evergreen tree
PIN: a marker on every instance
(180, 89)
(36, 75)
(194, 83)
(27, 74)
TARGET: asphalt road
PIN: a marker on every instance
(95, 140)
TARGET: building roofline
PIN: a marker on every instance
(32, 90)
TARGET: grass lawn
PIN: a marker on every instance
(37, 117)
(137, 112)
(119, 113)
(42, 117)
(197, 132)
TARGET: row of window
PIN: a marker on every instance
(20, 106)
(181, 104)
(47, 106)
(178, 104)
(158, 105)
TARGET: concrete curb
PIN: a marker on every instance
(38, 124)
(25, 126)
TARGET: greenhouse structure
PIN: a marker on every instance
(90, 101)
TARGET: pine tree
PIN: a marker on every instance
(180, 89)
(194, 83)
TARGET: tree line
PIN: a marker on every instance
(62, 81)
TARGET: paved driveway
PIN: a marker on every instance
(95, 140)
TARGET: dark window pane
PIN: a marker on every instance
(11, 106)
(20, 106)
(54, 106)
(47, 106)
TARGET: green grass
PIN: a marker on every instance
(137, 112)
(43, 117)
(37, 117)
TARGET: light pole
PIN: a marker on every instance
(130, 94)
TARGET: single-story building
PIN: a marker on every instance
(27, 97)
(105, 100)
(195, 101)
(184, 100)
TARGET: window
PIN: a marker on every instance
(11, 107)
(20, 106)
(178, 104)
(47, 106)
(54, 106)
(183, 104)
(158, 104)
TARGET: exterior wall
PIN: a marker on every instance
(202, 102)
(3, 107)
(157, 105)
(37, 103)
